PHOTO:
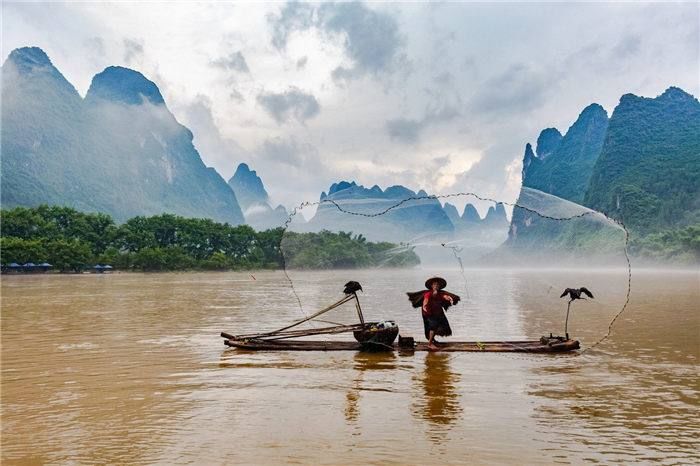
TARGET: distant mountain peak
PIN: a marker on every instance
(547, 142)
(677, 94)
(671, 95)
(496, 215)
(629, 97)
(425, 216)
(398, 191)
(124, 85)
(243, 170)
(593, 108)
(358, 190)
(248, 187)
(470, 214)
(528, 159)
(452, 213)
(32, 64)
(27, 58)
(594, 114)
(335, 187)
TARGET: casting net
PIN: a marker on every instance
(510, 263)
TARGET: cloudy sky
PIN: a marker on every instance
(439, 96)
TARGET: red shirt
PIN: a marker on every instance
(434, 305)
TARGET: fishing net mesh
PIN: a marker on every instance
(391, 245)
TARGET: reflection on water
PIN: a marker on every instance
(363, 363)
(637, 398)
(129, 368)
(631, 413)
(438, 402)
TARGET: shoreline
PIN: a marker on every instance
(451, 268)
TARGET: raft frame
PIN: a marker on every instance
(552, 345)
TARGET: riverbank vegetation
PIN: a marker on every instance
(679, 246)
(73, 241)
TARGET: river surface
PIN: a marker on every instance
(130, 369)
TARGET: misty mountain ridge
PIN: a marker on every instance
(414, 218)
(470, 220)
(118, 151)
(248, 187)
(254, 200)
(641, 166)
(422, 217)
(121, 151)
(562, 165)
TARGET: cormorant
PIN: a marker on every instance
(352, 287)
(574, 294)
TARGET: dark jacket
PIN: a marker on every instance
(416, 298)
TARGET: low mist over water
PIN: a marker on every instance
(130, 368)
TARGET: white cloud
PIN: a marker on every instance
(290, 104)
(235, 61)
(474, 82)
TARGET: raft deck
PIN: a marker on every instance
(533, 346)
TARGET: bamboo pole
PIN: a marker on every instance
(359, 309)
(294, 324)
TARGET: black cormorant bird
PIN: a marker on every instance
(574, 294)
(352, 287)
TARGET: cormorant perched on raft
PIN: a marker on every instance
(352, 287)
(575, 293)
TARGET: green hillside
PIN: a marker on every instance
(641, 167)
(565, 169)
(648, 173)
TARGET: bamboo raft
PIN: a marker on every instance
(378, 336)
(532, 346)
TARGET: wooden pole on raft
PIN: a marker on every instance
(359, 310)
(566, 324)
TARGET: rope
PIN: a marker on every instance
(455, 250)
(627, 297)
(284, 260)
(299, 322)
(306, 333)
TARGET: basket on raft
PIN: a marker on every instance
(377, 335)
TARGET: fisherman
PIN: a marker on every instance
(433, 302)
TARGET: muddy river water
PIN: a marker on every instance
(130, 368)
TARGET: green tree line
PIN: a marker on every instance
(71, 241)
(681, 245)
